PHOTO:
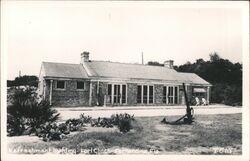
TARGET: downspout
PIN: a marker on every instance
(97, 92)
(90, 93)
(50, 96)
(208, 93)
(44, 89)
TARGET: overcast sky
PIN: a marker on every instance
(60, 31)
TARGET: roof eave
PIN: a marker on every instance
(70, 78)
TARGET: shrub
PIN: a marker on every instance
(50, 131)
(227, 94)
(77, 124)
(85, 119)
(122, 121)
(125, 125)
(25, 113)
(125, 122)
(63, 128)
(102, 122)
(15, 125)
(233, 95)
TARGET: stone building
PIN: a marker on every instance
(104, 83)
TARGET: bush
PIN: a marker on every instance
(226, 94)
(125, 125)
(102, 122)
(85, 119)
(51, 131)
(233, 95)
(25, 113)
(217, 93)
(122, 121)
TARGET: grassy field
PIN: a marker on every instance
(209, 134)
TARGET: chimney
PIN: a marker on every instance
(169, 64)
(84, 56)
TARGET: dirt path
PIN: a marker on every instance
(67, 113)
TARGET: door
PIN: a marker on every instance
(182, 95)
(117, 94)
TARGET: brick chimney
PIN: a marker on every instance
(84, 56)
(169, 64)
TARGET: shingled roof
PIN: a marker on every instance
(105, 69)
(139, 71)
(64, 70)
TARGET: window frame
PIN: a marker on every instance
(60, 88)
(81, 89)
(170, 95)
(139, 97)
(111, 92)
(142, 96)
(149, 96)
(172, 99)
(124, 95)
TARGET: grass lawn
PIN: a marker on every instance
(209, 134)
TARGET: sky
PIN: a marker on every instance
(60, 31)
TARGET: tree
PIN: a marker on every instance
(25, 80)
(225, 77)
(214, 57)
(199, 61)
(155, 63)
(26, 113)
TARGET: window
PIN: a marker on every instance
(145, 94)
(117, 94)
(124, 91)
(109, 98)
(170, 95)
(164, 94)
(151, 95)
(139, 94)
(80, 85)
(175, 95)
(60, 84)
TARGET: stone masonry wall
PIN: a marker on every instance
(75, 97)
(158, 94)
(103, 91)
(132, 94)
(71, 96)
(98, 96)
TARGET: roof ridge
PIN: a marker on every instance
(145, 65)
(186, 73)
(61, 63)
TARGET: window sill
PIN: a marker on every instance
(81, 90)
(60, 89)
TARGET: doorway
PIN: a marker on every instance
(117, 94)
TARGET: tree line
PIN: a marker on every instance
(26, 80)
(225, 76)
